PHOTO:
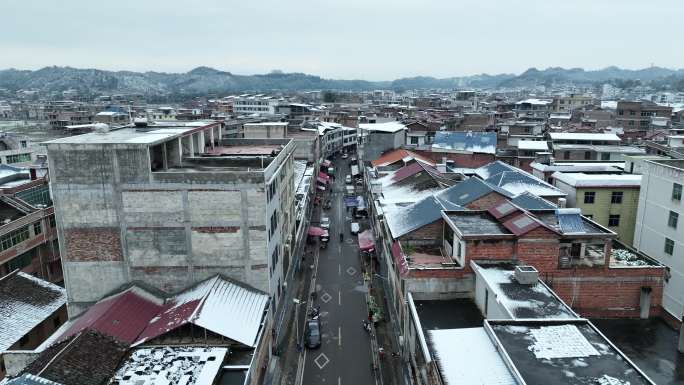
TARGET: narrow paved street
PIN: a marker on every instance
(345, 354)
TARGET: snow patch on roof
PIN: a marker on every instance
(484, 364)
(598, 180)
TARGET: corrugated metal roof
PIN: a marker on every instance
(122, 316)
(397, 155)
(502, 209)
(218, 304)
(30, 379)
(417, 215)
(469, 190)
(529, 201)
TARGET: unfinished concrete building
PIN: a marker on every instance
(171, 207)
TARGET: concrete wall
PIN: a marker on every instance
(378, 143)
(651, 229)
(118, 222)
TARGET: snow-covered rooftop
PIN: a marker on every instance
(534, 101)
(579, 167)
(25, 302)
(523, 301)
(579, 179)
(390, 127)
(538, 145)
(483, 365)
(171, 365)
(584, 136)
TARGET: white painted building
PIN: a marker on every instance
(659, 230)
(255, 104)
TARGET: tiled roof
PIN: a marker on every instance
(30, 379)
(25, 302)
(397, 155)
(88, 358)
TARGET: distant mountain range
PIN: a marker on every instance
(202, 80)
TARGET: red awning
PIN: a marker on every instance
(316, 231)
(323, 175)
(366, 241)
(322, 180)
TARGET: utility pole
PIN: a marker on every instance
(297, 303)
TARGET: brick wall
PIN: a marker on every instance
(428, 234)
(490, 200)
(539, 248)
(608, 292)
(489, 250)
(460, 160)
(93, 244)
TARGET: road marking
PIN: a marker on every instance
(339, 336)
(351, 271)
(339, 269)
(324, 361)
(339, 298)
(339, 381)
(326, 297)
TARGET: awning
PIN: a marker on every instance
(366, 241)
(323, 175)
(350, 201)
(322, 180)
(316, 231)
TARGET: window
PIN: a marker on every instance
(632, 112)
(589, 197)
(673, 219)
(613, 220)
(669, 246)
(17, 158)
(616, 197)
(587, 155)
(605, 156)
(414, 140)
(37, 228)
(14, 237)
(52, 220)
(676, 192)
(566, 155)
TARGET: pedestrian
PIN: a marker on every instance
(370, 315)
(381, 352)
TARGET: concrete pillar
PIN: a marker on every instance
(645, 302)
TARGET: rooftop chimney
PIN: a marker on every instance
(526, 275)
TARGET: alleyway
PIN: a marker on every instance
(345, 355)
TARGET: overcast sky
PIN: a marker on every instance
(363, 39)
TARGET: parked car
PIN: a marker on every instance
(312, 334)
(355, 228)
(325, 223)
(348, 179)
